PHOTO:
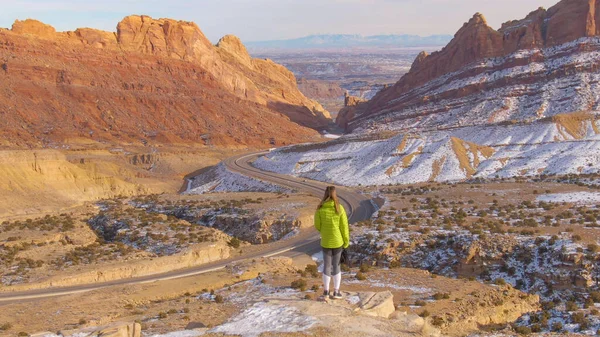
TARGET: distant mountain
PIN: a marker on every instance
(348, 41)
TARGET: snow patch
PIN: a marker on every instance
(572, 197)
(266, 317)
(185, 333)
(220, 179)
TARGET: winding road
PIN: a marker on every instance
(358, 207)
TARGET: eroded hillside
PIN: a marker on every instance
(153, 81)
(537, 67)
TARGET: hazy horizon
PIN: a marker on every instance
(263, 20)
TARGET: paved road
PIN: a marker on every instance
(358, 207)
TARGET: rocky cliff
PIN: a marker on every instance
(153, 80)
(540, 66)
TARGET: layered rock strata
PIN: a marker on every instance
(540, 66)
(154, 80)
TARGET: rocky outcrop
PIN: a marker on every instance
(348, 112)
(330, 94)
(377, 304)
(40, 181)
(194, 256)
(153, 81)
(513, 64)
(113, 330)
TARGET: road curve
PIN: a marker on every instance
(358, 207)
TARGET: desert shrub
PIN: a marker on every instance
(307, 297)
(536, 328)
(424, 314)
(172, 311)
(162, 315)
(437, 321)
(219, 299)
(420, 303)
(364, 268)
(588, 303)
(439, 296)
(312, 270)
(523, 330)
(5, 326)
(500, 281)
(82, 321)
(299, 284)
(571, 306)
(361, 276)
(234, 243)
(579, 318)
(557, 327)
(595, 296)
(22, 333)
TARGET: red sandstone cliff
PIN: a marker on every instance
(151, 81)
(425, 90)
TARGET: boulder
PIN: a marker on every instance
(413, 322)
(379, 304)
(120, 330)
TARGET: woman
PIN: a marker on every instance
(331, 221)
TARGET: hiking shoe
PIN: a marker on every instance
(325, 296)
(337, 295)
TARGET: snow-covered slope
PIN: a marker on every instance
(526, 85)
(565, 144)
(220, 179)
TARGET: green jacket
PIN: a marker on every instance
(333, 227)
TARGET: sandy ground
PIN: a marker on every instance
(187, 303)
(37, 182)
(482, 196)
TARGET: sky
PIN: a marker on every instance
(258, 20)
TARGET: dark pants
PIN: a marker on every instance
(331, 260)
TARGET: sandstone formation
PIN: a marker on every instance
(377, 304)
(113, 330)
(197, 255)
(153, 81)
(330, 94)
(348, 112)
(497, 75)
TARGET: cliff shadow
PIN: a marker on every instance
(192, 176)
(301, 115)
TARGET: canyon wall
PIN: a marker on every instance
(540, 66)
(154, 81)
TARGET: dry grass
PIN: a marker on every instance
(402, 145)
(575, 124)
(406, 161)
(462, 148)
(436, 168)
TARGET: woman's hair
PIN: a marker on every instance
(330, 194)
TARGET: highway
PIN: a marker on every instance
(357, 206)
